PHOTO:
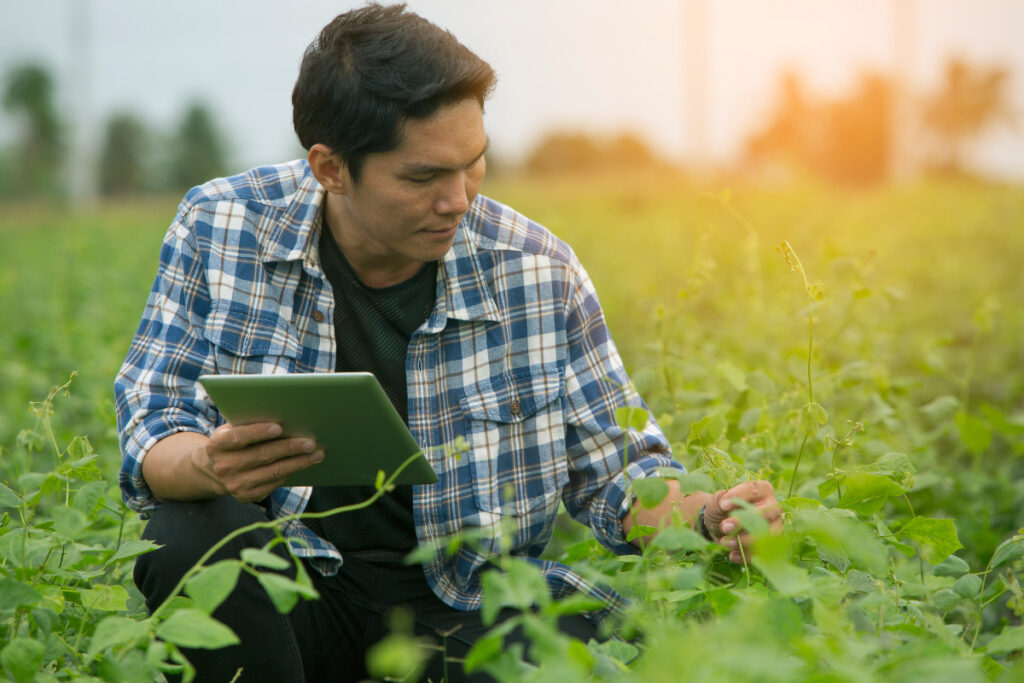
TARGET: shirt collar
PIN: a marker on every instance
(292, 234)
(462, 292)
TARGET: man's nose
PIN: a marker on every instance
(454, 198)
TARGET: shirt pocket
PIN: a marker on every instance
(250, 341)
(515, 424)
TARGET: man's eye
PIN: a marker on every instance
(421, 179)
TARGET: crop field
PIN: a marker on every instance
(862, 350)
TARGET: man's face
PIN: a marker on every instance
(408, 202)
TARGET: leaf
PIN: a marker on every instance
(212, 585)
(1009, 640)
(113, 631)
(733, 375)
(69, 522)
(968, 585)
(631, 417)
(193, 628)
(1008, 551)
(866, 493)
(773, 559)
(21, 658)
(484, 650)
(105, 598)
(132, 548)
(650, 491)
(689, 482)
(283, 591)
(258, 557)
(639, 531)
(89, 498)
(14, 594)
(812, 418)
(937, 537)
(8, 498)
(952, 566)
(679, 538)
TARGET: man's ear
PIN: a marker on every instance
(329, 169)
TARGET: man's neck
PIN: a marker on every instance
(373, 270)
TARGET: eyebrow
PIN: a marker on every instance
(417, 168)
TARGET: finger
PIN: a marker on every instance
(749, 491)
(257, 483)
(229, 465)
(235, 437)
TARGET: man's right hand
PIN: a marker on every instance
(249, 461)
(246, 462)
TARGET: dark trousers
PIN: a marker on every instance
(319, 640)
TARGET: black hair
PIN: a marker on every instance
(373, 68)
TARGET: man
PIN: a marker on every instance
(376, 253)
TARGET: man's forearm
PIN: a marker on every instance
(170, 468)
(675, 504)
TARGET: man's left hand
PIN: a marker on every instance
(727, 529)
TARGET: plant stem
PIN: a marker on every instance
(273, 524)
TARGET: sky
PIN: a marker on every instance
(594, 65)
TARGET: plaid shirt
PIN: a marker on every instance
(515, 358)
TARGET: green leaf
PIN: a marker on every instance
(812, 418)
(258, 557)
(132, 548)
(679, 538)
(283, 591)
(952, 566)
(485, 649)
(773, 559)
(113, 631)
(639, 531)
(105, 598)
(937, 537)
(69, 522)
(631, 417)
(1008, 551)
(213, 584)
(396, 657)
(733, 375)
(14, 594)
(193, 628)
(650, 491)
(1010, 639)
(866, 493)
(21, 658)
(689, 482)
(968, 585)
(8, 498)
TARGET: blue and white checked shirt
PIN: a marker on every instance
(515, 357)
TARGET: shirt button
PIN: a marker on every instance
(515, 408)
(318, 316)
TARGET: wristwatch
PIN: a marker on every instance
(702, 528)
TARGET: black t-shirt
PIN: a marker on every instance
(372, 327)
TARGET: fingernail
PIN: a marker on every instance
(727, 527)
(317, 457)
(274, 430)
(309, 445)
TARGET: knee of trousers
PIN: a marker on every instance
(186, 530)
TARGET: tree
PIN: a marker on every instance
(199, 152)
(846, 140)
(29, 93)
(567, 152)
(970, 100)
(122, 161)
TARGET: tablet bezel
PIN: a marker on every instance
(348, 414)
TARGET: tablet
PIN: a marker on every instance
(347, 413)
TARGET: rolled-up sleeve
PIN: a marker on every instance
(156, 391)
(603, 457)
